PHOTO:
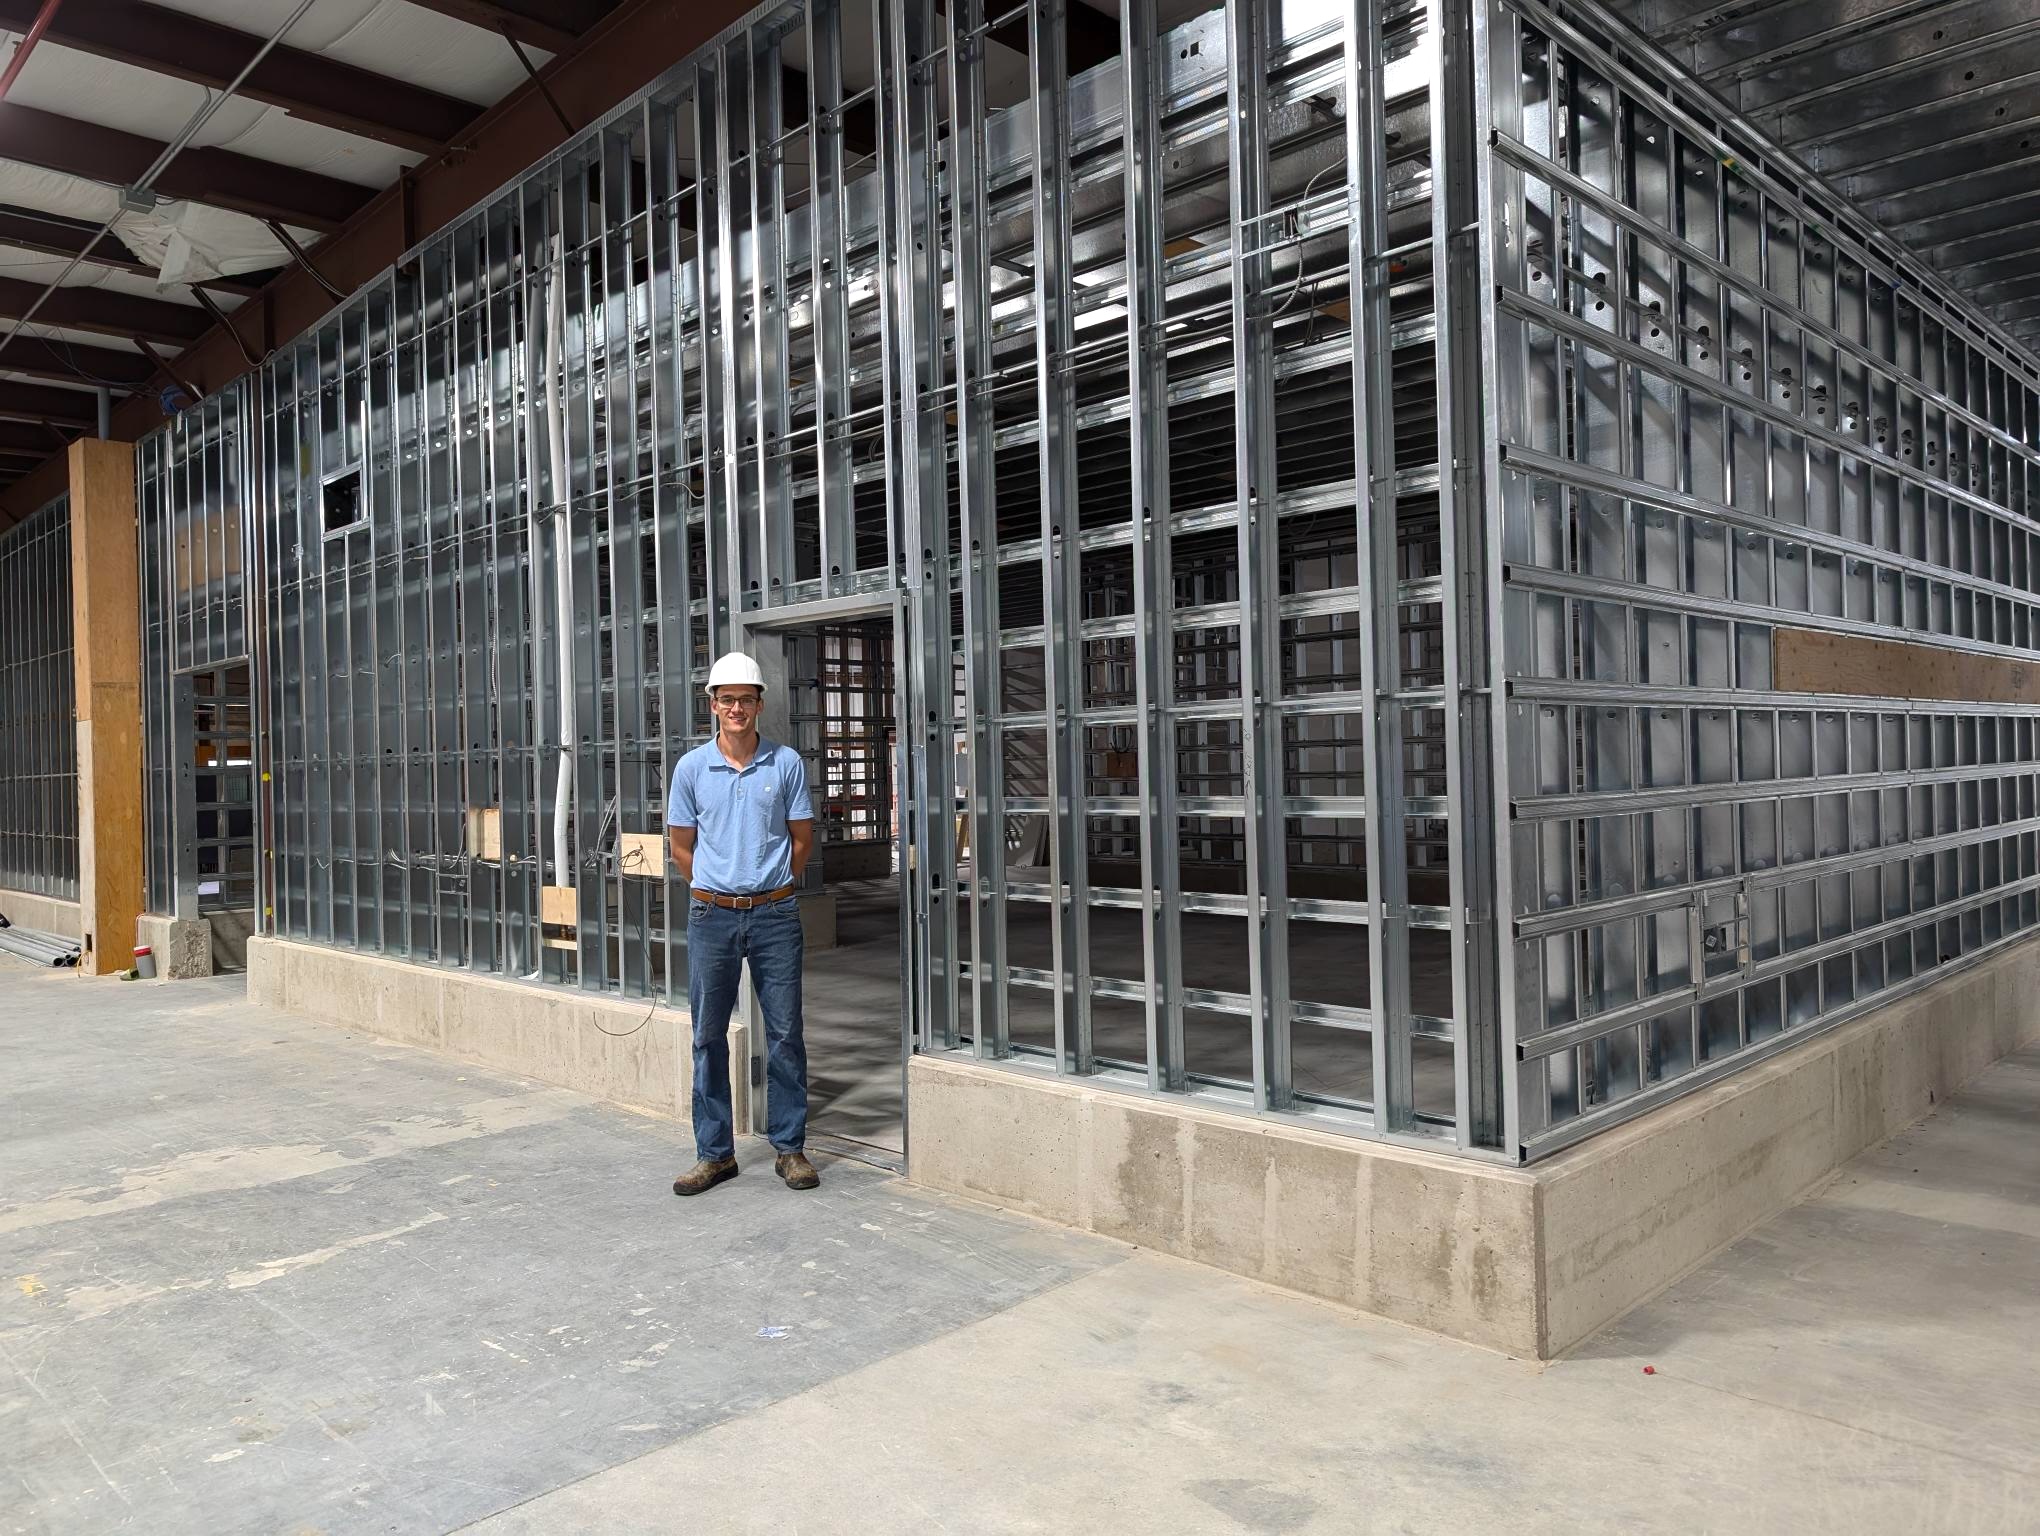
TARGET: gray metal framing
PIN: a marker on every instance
(39, 746)
(1330, 518)
(1719, 403)
(193, 478)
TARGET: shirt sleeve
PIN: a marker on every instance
(798, 806)
(680, 799)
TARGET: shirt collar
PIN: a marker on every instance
(759, 758)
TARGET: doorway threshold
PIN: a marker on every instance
(858, 1151)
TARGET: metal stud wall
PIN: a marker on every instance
(1211, 590)
(192, 504)
(39, 746)
(522, 491)
(1323, 526)
(725, 363)
(1719, 404)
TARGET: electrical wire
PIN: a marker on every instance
(1297, 285)
(47, 336)
(625, 1034)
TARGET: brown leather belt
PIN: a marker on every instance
(744, 903)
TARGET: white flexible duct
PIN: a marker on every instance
(556, 430)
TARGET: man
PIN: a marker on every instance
(741, 829)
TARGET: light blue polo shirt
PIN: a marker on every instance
(743, 846)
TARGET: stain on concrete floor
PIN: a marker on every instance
(264, 1275)
(259, 1274)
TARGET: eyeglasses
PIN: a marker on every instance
(751, 701)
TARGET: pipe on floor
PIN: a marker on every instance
(40, 948)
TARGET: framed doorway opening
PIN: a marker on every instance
(839, 708)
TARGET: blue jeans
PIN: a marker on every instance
(718, 942)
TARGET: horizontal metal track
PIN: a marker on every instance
(1614, 909)
(1566, 1037)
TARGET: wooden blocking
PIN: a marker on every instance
(1814, 661)
(642, 854)
(485, 833)
(559, 916)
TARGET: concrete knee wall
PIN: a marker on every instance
(186, 948)
(630, 1053)
(1443, 1242)
(43, 914)
(1529, 1261)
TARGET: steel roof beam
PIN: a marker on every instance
(627, 51)
(30, 402)
(218, 178)
(104, 313)
(307, 85)
(31, 439)
(67, 362)
(304, 84)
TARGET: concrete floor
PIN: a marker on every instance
(266, 1275)
(850, 1007)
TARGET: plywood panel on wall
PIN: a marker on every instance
(107, 657)
(1813, 661)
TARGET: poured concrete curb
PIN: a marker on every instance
(1530, 1261)
(43, 914)
(593, 1045)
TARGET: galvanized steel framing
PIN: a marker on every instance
(193, 505)
(1719, 403)
(1324, 524)
(39, 746)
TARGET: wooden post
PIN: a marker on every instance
(106, 614)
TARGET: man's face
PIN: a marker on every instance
(737, 707)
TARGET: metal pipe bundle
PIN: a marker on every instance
(42, 948)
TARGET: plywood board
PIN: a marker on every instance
(485, 833)
(559, 906)
(1814, 661)
(107, 661)
(559, 911)
(642, 854)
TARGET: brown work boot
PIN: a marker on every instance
(705, 1174)
(798, 1172)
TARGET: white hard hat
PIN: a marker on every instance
(735, 670)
